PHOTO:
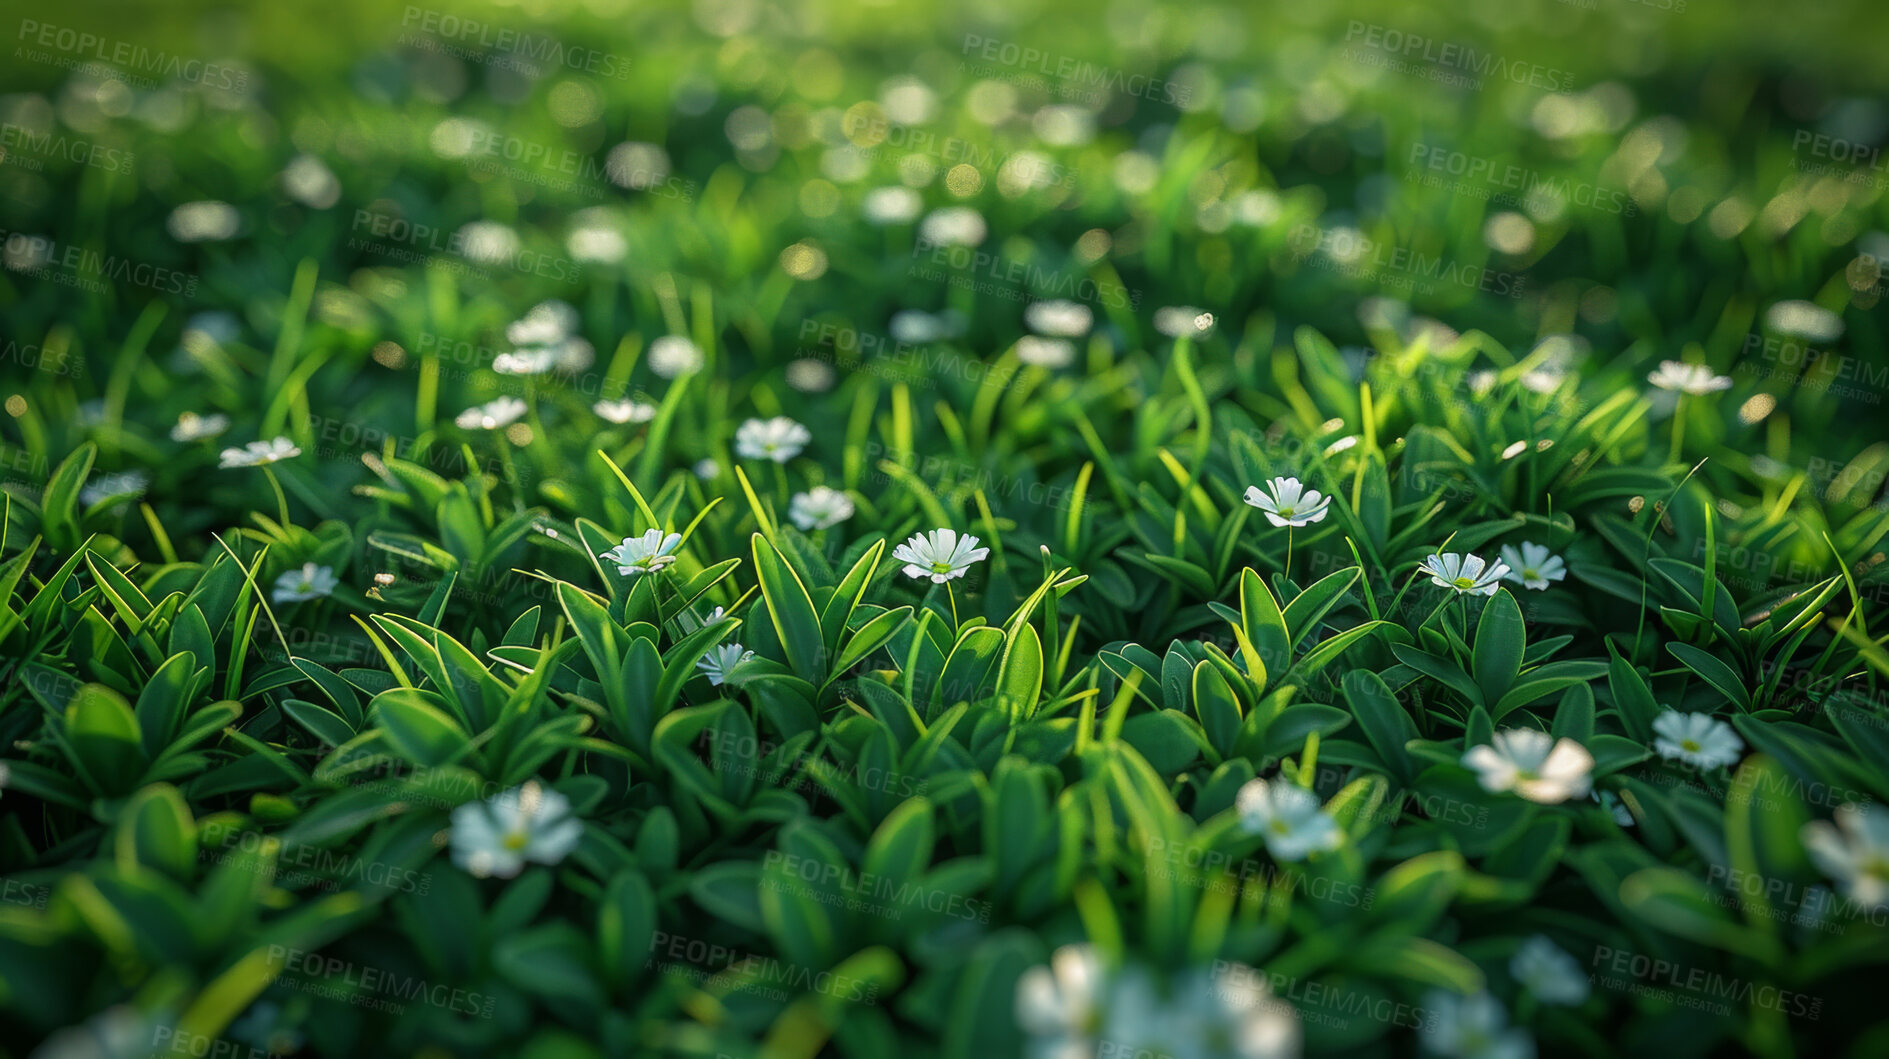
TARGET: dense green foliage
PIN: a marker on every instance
(242, 703)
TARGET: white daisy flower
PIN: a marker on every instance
(1854, 852)
(637, 165)
(1194, 1014)
(1532, 764)
(1064, 125)
(547, 323)
(706, 469)
(309, 181)
(259, 453)
(673, 355)
(892, 205)
(596, 239)
(940, 555)
(1060, 318)
(491, 415)
(1464, 573)
(487, 242)
(204, 222)
(1697, 739)
(1059, 1006)
(1258, 208)
(546, 339)
(1051, 353)
(626, 410)
(1177, 320)
(193, 427)
(532, 360)
(779, 439)
(1804, 319)
(819, 508)
(1286, 502)
(1261, 1026)
(1533, 566)
(1288, 817)
(953, 226)
(721, 660)
(597, 245)
(908, 101)
(310, 582)
(917, 326)
(126, 484)
(1688, 378)
(1472, 1027)
(528, 823)
(647, 554)
(1548, 972)
(810, 375)
(458, 137)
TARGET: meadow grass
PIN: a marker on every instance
(729, 529)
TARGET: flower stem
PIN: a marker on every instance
(1679, 428)
(511, 472)
(1288, 553)
(1463, 598)
(1433, 613)
(281, 502)
(952, 593)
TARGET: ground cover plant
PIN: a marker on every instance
(1014, 529)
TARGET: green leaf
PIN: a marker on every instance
(325, 725)
(1497, 655)
(1329, 649)
(59, 506)
(1385, 723)
(164, 701)
(870, 637)
(418, 726)
(549, 961)
(1020, 674)
(791, 611)
(1264, 623)
(156, 829)
(1635, 700)
(626, 925)
(105, 738)
(1714, 672)
(1303, 614)
(900, 849)
(1217, 708)
(852, 588)
(1166, 738)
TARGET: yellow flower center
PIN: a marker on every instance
(1464, 582)
(515, 841)
(1690, 746)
